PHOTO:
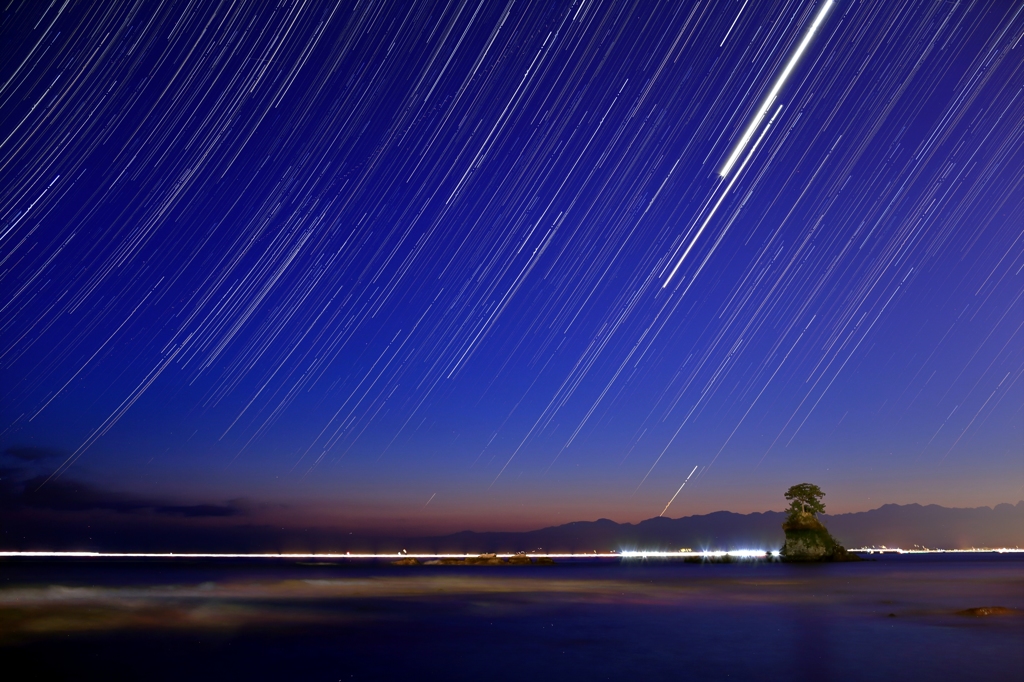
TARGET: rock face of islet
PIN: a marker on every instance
(807, 539)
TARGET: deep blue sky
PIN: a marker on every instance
(341, 261)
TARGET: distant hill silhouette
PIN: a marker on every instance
(931, 526)
(75, 516)
(892, 525)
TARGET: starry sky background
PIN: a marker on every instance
(407, 264)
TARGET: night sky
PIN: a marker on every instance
(486, 264)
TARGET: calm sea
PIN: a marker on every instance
(896, 618)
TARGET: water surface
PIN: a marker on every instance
(894, 618)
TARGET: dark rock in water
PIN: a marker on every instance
(842, 554)
(710, 559)
(488, 560)
(807, 539)
(410, 561)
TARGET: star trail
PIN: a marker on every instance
(453, 260)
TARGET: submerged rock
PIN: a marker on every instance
(481, 560)
(710, 559)
(982, 611)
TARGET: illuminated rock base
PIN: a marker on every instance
(808, 540)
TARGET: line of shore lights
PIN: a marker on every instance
(624, 554)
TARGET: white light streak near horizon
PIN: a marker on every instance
(624, 554)
(755, 122)
(677, 494)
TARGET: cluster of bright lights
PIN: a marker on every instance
(923, 550)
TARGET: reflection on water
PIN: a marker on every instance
(897, 617)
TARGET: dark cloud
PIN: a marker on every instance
(199, 510)
(30, 453)
(68, 495)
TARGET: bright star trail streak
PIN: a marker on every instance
(780, 81)
(452, 265)
(714, 209)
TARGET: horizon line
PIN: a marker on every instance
(622, 554)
